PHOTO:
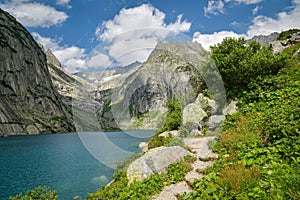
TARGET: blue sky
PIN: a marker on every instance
(95, 34)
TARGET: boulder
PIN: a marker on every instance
(214, 121)
(193, 113)
(155, 161)
(231, 108)
(143, 145)
(206, 103)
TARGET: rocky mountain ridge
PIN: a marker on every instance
(29, 103)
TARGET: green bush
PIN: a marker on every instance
(259, 146)
(177, 171)
(38, 193)
(174, 116)
(286, 34)
(241, 63)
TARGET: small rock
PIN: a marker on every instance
(143, 145)
(196, 132)
(170, 192)
(193, 175)
(214, 121)
(231, 108)
(31, 129)
(170, 133)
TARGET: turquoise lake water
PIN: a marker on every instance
(70, 163)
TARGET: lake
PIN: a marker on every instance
(73, 164)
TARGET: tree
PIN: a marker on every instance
(240, 63)
(39, 193)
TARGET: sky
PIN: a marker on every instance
(92, 35)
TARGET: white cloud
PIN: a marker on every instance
(235, 24)
(72, 58)
(133, 31)
(256, 9)
(214, 7)
(33, 14)
(97, 61)
(263, 25)
(207, 40)
(249, 1)
(64, 3)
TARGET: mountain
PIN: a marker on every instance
(109, 74)
(77, 93)
(138, 100)
(29, 103)
(265, 39)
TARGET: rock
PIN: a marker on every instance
(149, 88)
(174, 133)
(31, 129)
(143, 145)
(200, 147)
(28, 98)
(193, 113)
(214, 121)
(231, 108)
(193, 175)
(265, 39)
(207, 104)
(195, 132)
(170, 192)
(155, 161)
(278, 46)
(296, 54)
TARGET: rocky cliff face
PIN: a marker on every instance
(29, 102)
(142, 95)
(265, 39)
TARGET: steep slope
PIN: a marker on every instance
(141, 97)
(78, 94)
(29, 102)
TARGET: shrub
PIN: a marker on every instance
(177, 171)
(38, 193)
(238, 177)
(174, 116)
(246, 61)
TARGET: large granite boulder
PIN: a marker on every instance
(155, 161)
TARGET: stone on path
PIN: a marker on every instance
(170, 192)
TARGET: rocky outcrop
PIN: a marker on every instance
(280, 45)
(29, 103)
(155, 161)
(162, 77)
(78, 94)
(265, 39)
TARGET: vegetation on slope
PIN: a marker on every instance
(145, 189)
(259, 147)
